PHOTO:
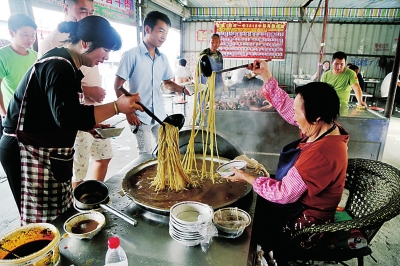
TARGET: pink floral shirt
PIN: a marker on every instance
(292, 186)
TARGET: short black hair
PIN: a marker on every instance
(94, 29)
(339, 55)
(152, 18)
(320, 100)
(19, 20)
(74, 1)
(182, 62)
(215, 35)
(353, 67)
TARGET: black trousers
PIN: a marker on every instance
(269, 221)
(11, 162)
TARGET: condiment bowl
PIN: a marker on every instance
(231, 220)
(225, 169)
(84, 225)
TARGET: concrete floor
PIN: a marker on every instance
(385, 245)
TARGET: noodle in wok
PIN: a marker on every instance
(170, 173)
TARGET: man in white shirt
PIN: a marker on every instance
(385, 85)
(238, 74)
(182, 74)
(86, 145)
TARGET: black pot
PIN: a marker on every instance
(93, 194)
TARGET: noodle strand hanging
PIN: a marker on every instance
(170, 173)
(205, 101)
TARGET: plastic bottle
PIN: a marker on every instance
(115, 255)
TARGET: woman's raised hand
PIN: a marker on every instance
(262, 69)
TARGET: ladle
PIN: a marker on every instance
(177, 120)
(12, 253)
(206, 70)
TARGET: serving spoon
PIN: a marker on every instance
(10, 252)
(176, 120)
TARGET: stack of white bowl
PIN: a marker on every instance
(186, 220)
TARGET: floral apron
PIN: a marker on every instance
(46, 172)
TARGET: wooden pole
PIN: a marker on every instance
(322, 48)
(312, 23)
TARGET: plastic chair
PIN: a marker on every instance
(374, 198)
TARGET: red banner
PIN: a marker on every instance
(251, 40)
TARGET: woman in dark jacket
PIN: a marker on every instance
(47, 110)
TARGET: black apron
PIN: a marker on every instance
(289, 154)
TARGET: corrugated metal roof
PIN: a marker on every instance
(293, 3)
(359, 11)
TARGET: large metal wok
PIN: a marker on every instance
(227, 150)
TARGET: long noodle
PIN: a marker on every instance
(206, 126)
(170, 173)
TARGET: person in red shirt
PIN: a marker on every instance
(311, 171)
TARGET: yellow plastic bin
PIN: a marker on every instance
(36, 245)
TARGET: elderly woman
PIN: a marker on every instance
(46, 112)
(311, 171)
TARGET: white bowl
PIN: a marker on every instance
(110, 132)
(225, 169)
(231, 220)
(188, 243)
(295, 76)
(188, 212)
(191, 88)
(81, 221)
(302, 76)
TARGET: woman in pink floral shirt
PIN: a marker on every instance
(311, 171)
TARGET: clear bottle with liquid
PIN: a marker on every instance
(115, 255)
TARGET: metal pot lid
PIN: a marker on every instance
(220, 194)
